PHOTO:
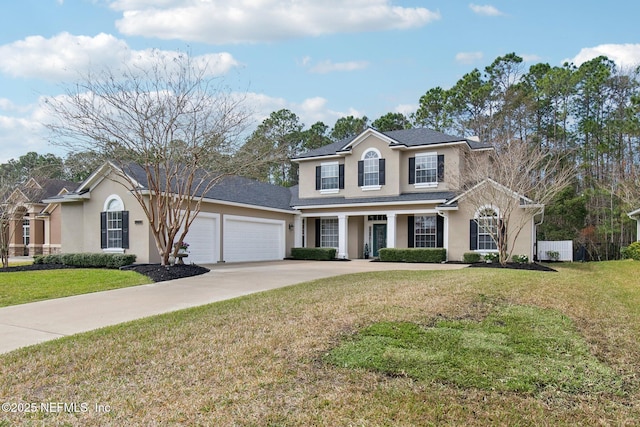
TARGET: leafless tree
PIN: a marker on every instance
(173, 119)
(515, 181)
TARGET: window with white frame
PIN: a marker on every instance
(487, 230)
(114, 223)
(426, 231)
(426, 169)
(329, 233)
(371, 168)
(329, 178)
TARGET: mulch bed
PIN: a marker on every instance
(155, 272)
(158, 273)
(515, 266)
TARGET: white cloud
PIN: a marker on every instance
(486, 10)
(468, 57)
(325, 67)
(66, 56)
(624, 55)
(530, 57)
(19, 135)
(254, 21)
(407, 109)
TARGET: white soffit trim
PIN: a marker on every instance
(373, 204)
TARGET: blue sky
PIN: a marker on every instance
(321, 59)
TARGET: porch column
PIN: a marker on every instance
(297, 231)
(343, 236)
(391, 230)
(638, 229)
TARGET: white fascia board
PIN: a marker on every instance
(235, 204)
(330, 156)
(635, 214)
(402, 147)
(69, 198)
(364, 134)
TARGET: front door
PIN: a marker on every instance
(379, 238)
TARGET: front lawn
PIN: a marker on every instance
(28, 286)
(266, 359)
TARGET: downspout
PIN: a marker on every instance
(445, 232)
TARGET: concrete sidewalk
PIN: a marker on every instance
(33, 323)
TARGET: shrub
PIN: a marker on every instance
(491, 257)
(317, 254)
(520, 259)
(553, 255)
(90, 260)
(631, 252)
(413, 255)
(471, 257)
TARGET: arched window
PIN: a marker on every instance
(371, 170)
(114, 224)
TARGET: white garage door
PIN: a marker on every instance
(202, 238)
(253, 239)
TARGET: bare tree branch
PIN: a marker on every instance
(517, 180)
(171, 123)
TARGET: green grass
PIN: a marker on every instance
(262, 359)
(20, 287)
(515, 348)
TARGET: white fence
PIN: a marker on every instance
(563, 247)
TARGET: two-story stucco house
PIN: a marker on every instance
(394, 189)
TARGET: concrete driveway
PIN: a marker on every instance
(33, 323)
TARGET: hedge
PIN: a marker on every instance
(318, 254)
(471, 257)
(91, 260)
(413, 255)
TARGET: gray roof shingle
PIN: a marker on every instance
(407, 137)
(428, 197)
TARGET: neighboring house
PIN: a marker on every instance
(395, 189)
(636, 215)
(35, 224)
(240, 220)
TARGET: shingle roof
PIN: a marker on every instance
(50, 189)
(429, 197)
(406, 137)
(234, 189)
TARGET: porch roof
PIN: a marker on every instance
(436, 197)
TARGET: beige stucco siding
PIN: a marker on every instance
(459, 232)
(452, 169)
(391, 187)
(81, 223)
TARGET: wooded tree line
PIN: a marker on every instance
(588, 115)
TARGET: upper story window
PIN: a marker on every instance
(329, 177)
(114, 224)
(371, 170)
(426, 170)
